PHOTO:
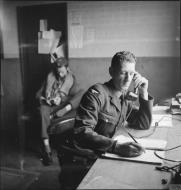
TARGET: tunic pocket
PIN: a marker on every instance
(106, 124)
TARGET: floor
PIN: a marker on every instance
(28, 161)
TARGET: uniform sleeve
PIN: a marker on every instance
(141, 118)
(86, 120)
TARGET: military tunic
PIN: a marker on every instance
(101, 113)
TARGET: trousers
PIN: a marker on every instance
(45, 112)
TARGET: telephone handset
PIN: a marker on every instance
(133, 96)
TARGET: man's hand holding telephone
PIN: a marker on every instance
(133, 149)
(141, 83)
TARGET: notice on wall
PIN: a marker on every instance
(48, 41)
(75, 17)
(44, 46)
(76, 36)
(89, 35)
(43, 25)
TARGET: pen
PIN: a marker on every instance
(132, 137)
(134, 140)
(156, 149)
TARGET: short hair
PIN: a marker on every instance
(59, 62)
(121, 57)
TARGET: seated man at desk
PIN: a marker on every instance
(59, 94)
(104, 108)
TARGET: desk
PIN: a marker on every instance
(116, 174)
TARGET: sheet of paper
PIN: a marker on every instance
(145, 142)
(76, 36)
(163, 120)
(43, 24)
(160, 108)
(44, 46)
(148, 157)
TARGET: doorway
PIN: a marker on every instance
(34, 66)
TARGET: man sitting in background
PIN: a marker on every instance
(59, 94)
(105, 107)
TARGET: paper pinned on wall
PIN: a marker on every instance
(47, 35)
(48, 41)
(76, 36)
(43, 25)
(51, 34)
(89, 35)
(44, 46)
(75, 17)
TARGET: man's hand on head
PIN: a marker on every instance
(142, 84)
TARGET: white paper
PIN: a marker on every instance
(55, 34)
(90, 35)
(51, 34)
(145, 142)
(44, 46)
(76, 36)
(75, 17)
(43, 25)
(47, 35)
(160, 108)
(147, 157)
(163, 120)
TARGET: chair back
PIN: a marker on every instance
(63, 124)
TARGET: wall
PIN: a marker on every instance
(147, 28)
(150, 28)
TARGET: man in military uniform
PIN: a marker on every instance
(104, 108)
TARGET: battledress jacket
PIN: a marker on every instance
(101, 113)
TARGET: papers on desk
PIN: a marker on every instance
(148, 157)
(162, 120)
(160, 108)
(153, 144)
(161, 116)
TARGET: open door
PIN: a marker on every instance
(35, 66)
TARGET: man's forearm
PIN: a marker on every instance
(95, 141)
(144, 95)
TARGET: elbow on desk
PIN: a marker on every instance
(140, 126)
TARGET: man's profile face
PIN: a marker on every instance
(62, 71)
(123, 75)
